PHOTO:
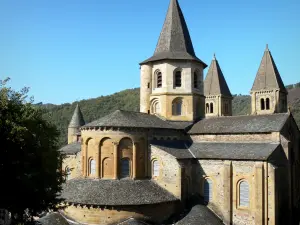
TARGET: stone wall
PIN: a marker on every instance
(111, 215)
(108, 147)
(159, 99)
(226, 177)
(169, 171)
(73, 162)
(270, 137)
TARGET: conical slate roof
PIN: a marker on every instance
(174, 41)
(77, 118)
(215, 83)
(268, 76)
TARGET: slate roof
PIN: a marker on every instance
(115, 192)
(217, 150)
(240, 151)
(52, 219)
(174, 41)
(215, 83)
(268, 76)
(121, 118)
(178, 149)
(132, 221)
(240, 124)
(71, 149)
(200, 215)
(77, 118)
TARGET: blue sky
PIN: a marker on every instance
(77, 49)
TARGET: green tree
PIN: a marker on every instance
(30, 162)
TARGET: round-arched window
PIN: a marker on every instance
(125, 168)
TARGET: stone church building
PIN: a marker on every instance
(184, 159)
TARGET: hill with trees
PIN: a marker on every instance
(129, 99)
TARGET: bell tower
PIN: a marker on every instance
(76, 122)
(218, 98)
(172, 79)
(268, 93)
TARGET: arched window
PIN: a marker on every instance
(211, 107)
(177, 107)
(155, 106)
(68, 173)
(207, 190)
(262, 104)
(207, 108)
(226, 107)
(178, 79)
(196, 80)
(92, 167)
(158, 79)
(244, 194)
(125, 168)
(267, 104)
(155, 168)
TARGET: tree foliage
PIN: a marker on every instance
(30, 161)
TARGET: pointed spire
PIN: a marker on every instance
(77, 118)
(215, 83)
(268, 77)
(174, 41)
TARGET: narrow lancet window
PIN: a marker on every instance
(244, 194)
(267, 104)
(159, 80)
(207, 190)
(178, 79)
(262, 104)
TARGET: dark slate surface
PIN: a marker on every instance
(200, 215)
(174, 41)
(52, 219)
(215, 83)
(132, 221)
(240, 151)
(181, 124)
(240, 124)
(71, 149)
(121, 118)
(178, 149)
(268, 76)
(115, 192)
(77, 118)
(216, 150)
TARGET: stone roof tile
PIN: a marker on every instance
(121, 192)
(174, 41)
(240, 124)
(71, 149)
(77, 118)
(215, 83)
(121, 118)
(199, 215)
(268, 77)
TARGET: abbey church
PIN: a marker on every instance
(184, 159)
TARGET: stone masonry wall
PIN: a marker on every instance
(169, 171)
(111, 215)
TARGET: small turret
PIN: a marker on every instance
(76, 122)
(268, 92)
(218, 98)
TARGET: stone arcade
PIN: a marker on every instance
(185, 146)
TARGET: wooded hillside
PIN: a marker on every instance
(93, 109)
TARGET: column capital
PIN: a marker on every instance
(116, 143)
